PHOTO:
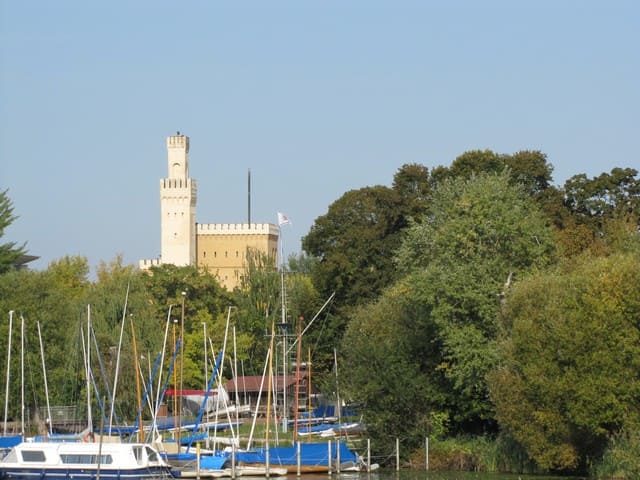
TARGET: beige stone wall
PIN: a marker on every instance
(178, 195)
(222, 248)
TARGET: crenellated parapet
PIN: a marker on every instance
(147, 264)
(237, 229)
(179, 141)
(220, 248)
(178, 183)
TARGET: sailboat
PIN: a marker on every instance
(301, 457)
(8, 441)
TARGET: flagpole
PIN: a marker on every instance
(284, 337)
(283, 220)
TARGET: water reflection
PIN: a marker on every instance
(423, 475)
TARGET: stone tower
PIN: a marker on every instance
(178, 206)
(219, 248)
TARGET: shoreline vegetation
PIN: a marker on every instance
(477, 305)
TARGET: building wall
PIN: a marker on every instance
(222, 248)
(178, 205)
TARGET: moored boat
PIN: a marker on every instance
(308, 458)
(64, 460)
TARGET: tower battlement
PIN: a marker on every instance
(178, 183)
(178, 141)
(220, 248)
(237, 229)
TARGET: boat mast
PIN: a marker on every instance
(115, 381)
(335, 359)
(46, 387)
(154, 423)
(206, 367)
(309, 392)
(88, 370)
(269, 378)
(137, 367)
(255, 415)
(6, 391)
(283, 308)
(297, 399)
(184, 294)
(235, 368)
(22, 429)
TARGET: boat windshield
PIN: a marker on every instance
(86, 459)
(137, 452)
(12, 457)
(33, 456)
(152, 454)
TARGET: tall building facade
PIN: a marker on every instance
(178, 206)
(220, 248)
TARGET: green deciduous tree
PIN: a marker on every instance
(170, 290)
(354, 244)
(588, 212)
(388, 370)
(355, 241)
(259, 301)
(527, 168)
(436, 330)
(53, 299)
(485, 220)
(604, 196)
(570, 378)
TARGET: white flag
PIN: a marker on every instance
(283, 219)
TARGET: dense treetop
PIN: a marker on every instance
(474, 299)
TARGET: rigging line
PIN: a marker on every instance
(148, 394)
(30, 367)
(46, 387)
(115, 381)
(92, 377)
(322, 329)
(312, 320)
(154, 423)
(170, 371)
(103, 373)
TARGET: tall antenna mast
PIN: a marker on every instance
(249, 197)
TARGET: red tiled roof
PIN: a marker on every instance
(252, 383)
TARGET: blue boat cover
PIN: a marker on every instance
(311, 454)
(10, 441)
(213, 462)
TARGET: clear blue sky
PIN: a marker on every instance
(315, 97)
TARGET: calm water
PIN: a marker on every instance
(422, 475)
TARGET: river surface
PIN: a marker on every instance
(423, 475)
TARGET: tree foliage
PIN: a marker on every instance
(10, 251)
(570, 378)
(594, 209)
(450, 311)
(436, 329)
(527, 168)
(354, 244)
(483, 220)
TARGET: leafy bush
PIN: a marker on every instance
(620, 460)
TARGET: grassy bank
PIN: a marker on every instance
(480, 454)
